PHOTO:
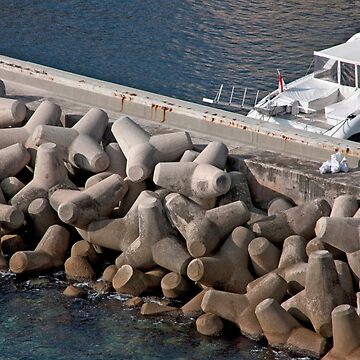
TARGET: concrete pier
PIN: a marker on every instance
(233, 254)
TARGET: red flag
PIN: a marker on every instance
(281, 82)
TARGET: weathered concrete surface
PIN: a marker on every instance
(177, 113)
(270, 173)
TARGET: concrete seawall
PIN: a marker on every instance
(230, 127)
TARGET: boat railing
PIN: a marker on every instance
(241, 98)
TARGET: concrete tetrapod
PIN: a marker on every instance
(42, 216)
(204, 230)
(79, 208)
(10, 217)
(321, 295)
(116, 234)
(50, 252)
(10, 186)
(346, 333)
(239, 190)
(173, 285)
(143, 151)
(215, 153)
(278, 205)
(282, 331)
(134, 282)
(49, 172)
(12, 112)
(81, 142)
(292, 264)
(171, 254)
(46, 113)
(13, 159)
(264, 255)
(344, 206)
(193, 307)
(228, 269)
(209, 324)
(299, 220)
(342, 233)
(240, 309)
(153, 227)
(191, 179)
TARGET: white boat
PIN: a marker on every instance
(326, 101)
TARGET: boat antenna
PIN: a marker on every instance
(311, 64)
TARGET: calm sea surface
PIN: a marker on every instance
(184, 49)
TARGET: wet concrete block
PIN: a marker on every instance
(171, 254)
(190, 179)
(193, 306)
(322, 293)
(12, 243)
(299, 220)
(50, 252)
(240, 308)
(79, 268)
(49, 172)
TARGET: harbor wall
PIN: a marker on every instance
(230, 127)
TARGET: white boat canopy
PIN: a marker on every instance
(348, 52)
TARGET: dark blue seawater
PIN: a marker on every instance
(177, 48)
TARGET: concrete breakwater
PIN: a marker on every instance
(154, 213)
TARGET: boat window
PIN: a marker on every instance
(347, 72)
(326, 69)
